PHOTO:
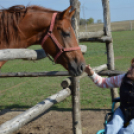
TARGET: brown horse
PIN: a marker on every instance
(21, 27)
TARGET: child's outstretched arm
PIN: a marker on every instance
(109, 82)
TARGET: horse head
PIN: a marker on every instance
(60, 42)
(53, 30)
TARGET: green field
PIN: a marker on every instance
(26, 92)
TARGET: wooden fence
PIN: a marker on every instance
(71, 86)
(103, 36)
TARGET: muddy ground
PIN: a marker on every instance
(58, 122)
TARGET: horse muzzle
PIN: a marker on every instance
(76, 69)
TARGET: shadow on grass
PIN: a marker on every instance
(55, 108)
(21, 108)
(14, 106)
(11, 108)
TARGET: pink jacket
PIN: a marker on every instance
(109, 82)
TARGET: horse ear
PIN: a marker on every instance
(66, 12)
(72, 13)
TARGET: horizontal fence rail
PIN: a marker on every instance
(111, 72)
(10, 54)
(102, 39)
(67, 82)
(86, 35)
(49, 73)
(35, 74)
(94, 37)
(27, 54)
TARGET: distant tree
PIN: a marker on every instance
(99, 21)
(90, 21)
(83, 21)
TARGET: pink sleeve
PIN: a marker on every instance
(109, 82)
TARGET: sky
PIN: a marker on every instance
(120, 10)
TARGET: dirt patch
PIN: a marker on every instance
(58, 122)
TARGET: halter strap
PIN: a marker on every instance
(50, 29)
(60, 47)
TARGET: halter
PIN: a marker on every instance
(60, 47)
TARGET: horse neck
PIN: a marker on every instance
(34, 25)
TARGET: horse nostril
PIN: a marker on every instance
(82, 67)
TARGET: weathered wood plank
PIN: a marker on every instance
(83, 48)
(10, 54)
(107, 30)
(104, 39)
(76, 18)
(35, 74)
(111, 72)
(76, 113)
(109, 46)
(87, 35)
(27, 54)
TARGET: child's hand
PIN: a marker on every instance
(89, 70)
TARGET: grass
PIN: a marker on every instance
(26, 92)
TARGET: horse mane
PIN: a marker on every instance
(9, 20)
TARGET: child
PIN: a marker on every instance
(125, 113)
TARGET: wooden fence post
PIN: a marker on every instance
(76, 18)
(76, 113)
(109, 45)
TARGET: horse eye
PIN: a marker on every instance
(65, 34)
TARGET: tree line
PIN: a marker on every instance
(88, 21)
